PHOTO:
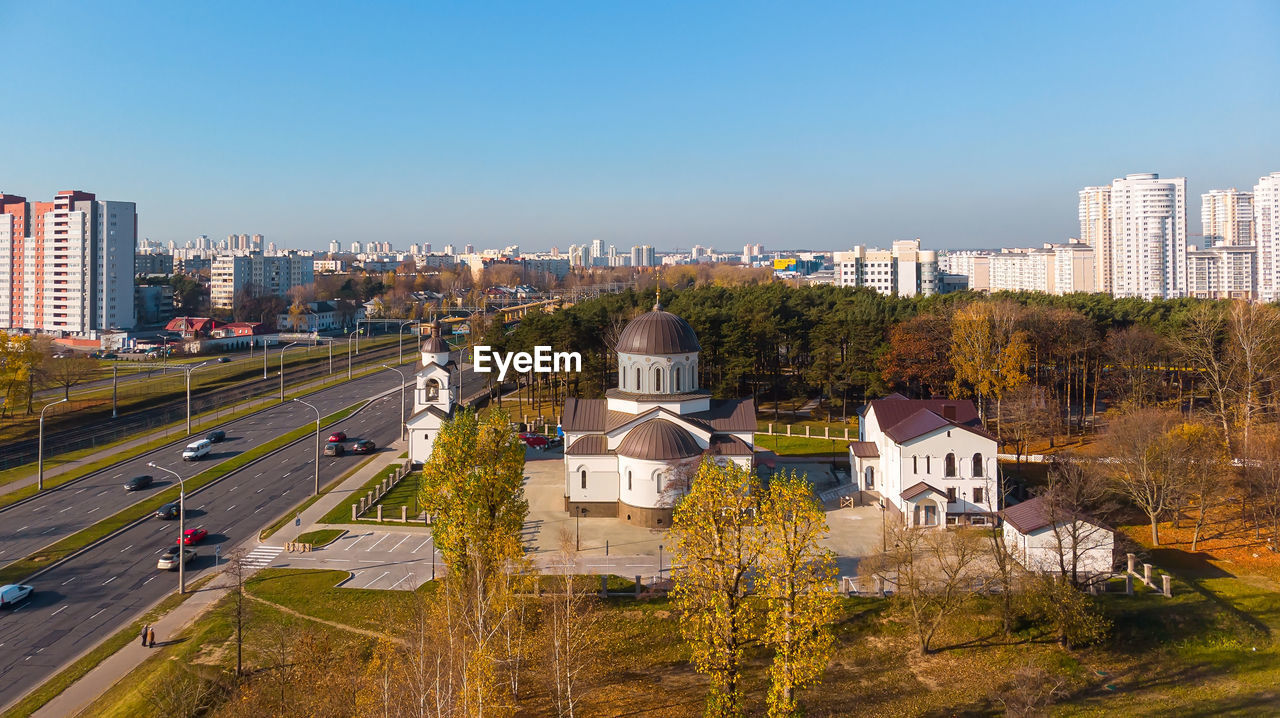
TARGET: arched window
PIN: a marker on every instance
(949, 466)
(637, 379)
(658, 478)
(870, 478)
(676, 386)
(628, 480)
(584, 478)
(657, 379)
(915, 464)
(977, 465)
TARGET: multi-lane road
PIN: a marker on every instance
(32, 525)
(85, 599)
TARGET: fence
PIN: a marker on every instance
(370, 501)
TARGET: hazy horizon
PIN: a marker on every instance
(816, 125)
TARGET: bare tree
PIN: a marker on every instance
(1262, 482)
(1028, 413)
(1134, 352)
(1028, 692)
(238, 606)
(571, 638)
(1203, 343)
(1148, 464)
(1075, 494)
(68, 373)
(935, 572)
(1255, 351)
(179, 692)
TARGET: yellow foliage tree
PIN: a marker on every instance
(797, 583)
(988, 352)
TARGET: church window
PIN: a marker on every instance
(637, 379)
(657, 379)
(676, 387)
(584, 478)
(949, 465)
(628, 480)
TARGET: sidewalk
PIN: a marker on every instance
(171, 626)
(342, 494)
(199, 423)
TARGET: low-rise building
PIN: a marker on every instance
(1044, 543)
(929, 459)
(321, 317)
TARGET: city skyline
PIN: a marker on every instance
(821, 126)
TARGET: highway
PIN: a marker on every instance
(30, 526)
(84, 600)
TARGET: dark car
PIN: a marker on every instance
(338, 436)
(216, 436)
(167, 512)
(363, 446)
(224, 360)
(137, 483)
(333, 448)
(110, 355)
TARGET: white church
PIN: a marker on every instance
(624, 454)
(435, 395)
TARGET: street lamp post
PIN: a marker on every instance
(317, 411)
(884, 541)
(349, 336)
(659, 562)
(282, 351)
(191, 369)
(182, 526)
(40, 446)
(400, 350)
(403, 380)
(265, 353)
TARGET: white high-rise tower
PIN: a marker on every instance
(1266, 228)
(1095, 231)
(1226, 216)
(1149, 236)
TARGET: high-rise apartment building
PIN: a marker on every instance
(1149, 236)
(67, 266)
(1266, 229)
(1095, 231)
(1226, 216)
(334, 247)
(258, 275)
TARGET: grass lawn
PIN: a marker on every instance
(341, 514)
(405, 493)
(320, 537)
(800, 446)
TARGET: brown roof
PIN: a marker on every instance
(865, 449)
(616, 393)
(919, 488)
(435, 411)
(658, 440)
(584, 414)
(658, 332)
(724, 415)
(592, 444)
(435, 345)
(893, 409)
(1030, 515)
(729, 415)
(730, 446)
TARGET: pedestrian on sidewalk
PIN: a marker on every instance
(151, 637)
(145, 628)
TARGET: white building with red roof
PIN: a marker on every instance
(1045, 540)
(629, 454)
(928, 458)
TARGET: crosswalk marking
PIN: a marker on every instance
(261, 557)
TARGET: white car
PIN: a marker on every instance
(197, 450)
(169, 559)
(13, 593)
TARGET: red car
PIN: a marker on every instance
(191, 536)
(536, 441)
(337, 436)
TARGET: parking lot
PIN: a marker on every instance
(396, 560)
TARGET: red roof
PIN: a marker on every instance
(919, 488)
(1031, 515)
(865, 449)
(244, 329)
(906, 419)
(192, 325)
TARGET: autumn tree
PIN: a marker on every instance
(988, 352)
(1262, 482)
(1255, 353)
(1204, 343)
(1148, 462)
(1207, 469)
(571, 638)
(472, 487)
(1028, 414)
(797, 578)
(1071, 614)
(918, 355)
(717, 548)
(68, 373)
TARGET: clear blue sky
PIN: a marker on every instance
(541, 123)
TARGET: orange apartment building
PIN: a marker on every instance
(66, 266)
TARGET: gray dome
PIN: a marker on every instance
(658, 440)
(658, 332)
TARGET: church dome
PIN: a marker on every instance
(435, 345)
(658, 440)
(658, 332)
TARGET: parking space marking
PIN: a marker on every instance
(424, 543)
(375, 543)
(384, 573)
(406, 538)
